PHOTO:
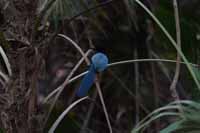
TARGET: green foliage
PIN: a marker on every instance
(171, 127)
(189, 123)
(197, 72)
(1, 131)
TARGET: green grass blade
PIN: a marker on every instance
(172, 41)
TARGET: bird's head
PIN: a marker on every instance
(100, 61)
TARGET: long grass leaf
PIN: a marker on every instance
(6, 61)
(172, 41)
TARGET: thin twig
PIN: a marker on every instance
(6, 61)
(165, 71)
(149, 60)
(56, 123)
(178, 65)
(4, 76)
(103, 104)
(137, 86)
(116, 64)
(149, 40)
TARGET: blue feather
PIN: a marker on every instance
(87, 82)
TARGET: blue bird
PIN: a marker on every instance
(99, 63)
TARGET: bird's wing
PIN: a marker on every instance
(87, 82)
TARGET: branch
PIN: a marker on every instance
(116, 64)
(178, 65)
(103, 103)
